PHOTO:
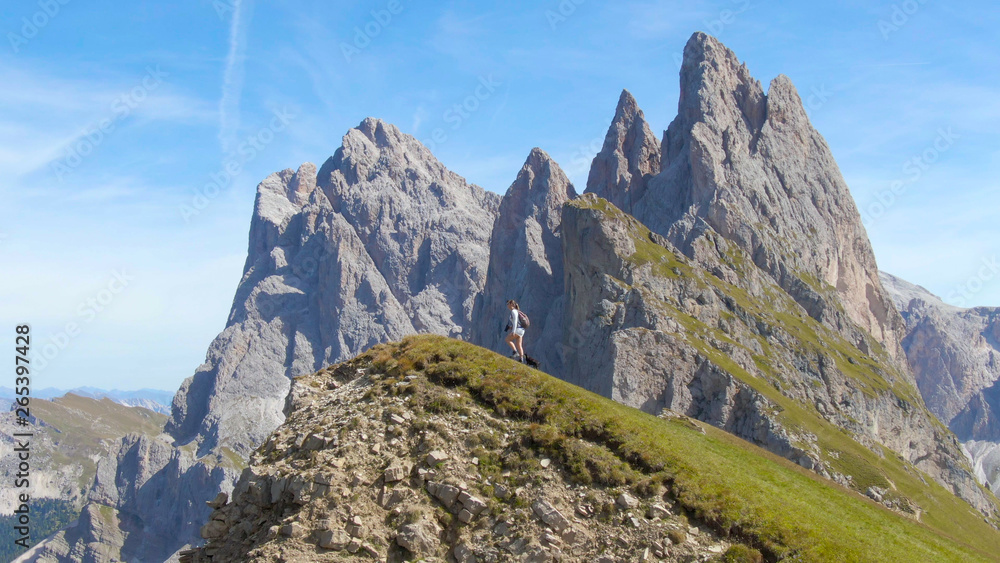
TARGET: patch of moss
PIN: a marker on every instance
(739, 553)
(107, 514)
(234, 459)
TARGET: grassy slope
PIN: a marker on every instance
(870, 375)
(737, 487)
(106, 419)
(81, 427)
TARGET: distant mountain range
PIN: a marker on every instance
(156, 400)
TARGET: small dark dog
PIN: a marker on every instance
(532, 362)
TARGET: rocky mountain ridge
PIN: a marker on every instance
(716, 339)
(955, 355)
(155, 400)
(381, 242)
(432, 449)
(371, 467)
(73, 438)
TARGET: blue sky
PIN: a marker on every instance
(118, 119)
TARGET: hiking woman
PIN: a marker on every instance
(516, 336)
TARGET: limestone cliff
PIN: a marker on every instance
(955, 356)
(750, 166)
(383, 241)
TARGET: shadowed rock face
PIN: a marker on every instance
(955, 356)
(751, 167)
(145, 503)
(526, 263)
(629, 158)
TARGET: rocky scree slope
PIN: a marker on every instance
(433, 449)
(955, 355)
(398, 468)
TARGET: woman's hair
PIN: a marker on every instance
(514, 303)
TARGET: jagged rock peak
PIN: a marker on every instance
(382, 133)
(526, 261)
(709, 56)
(715, 88)
(303, 182)
(627, 108)
(537, 195)
(537, 159)
(540, 182)
(374, 138)
(382, 241)
(784, 106)
(629, 157)
(752, 168)
(376, 153)
(371, 137)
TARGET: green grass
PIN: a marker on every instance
(737, 488)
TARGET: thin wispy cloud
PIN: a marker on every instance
(418, 118)
(656, 20)
(39, 121)
(232, 78)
